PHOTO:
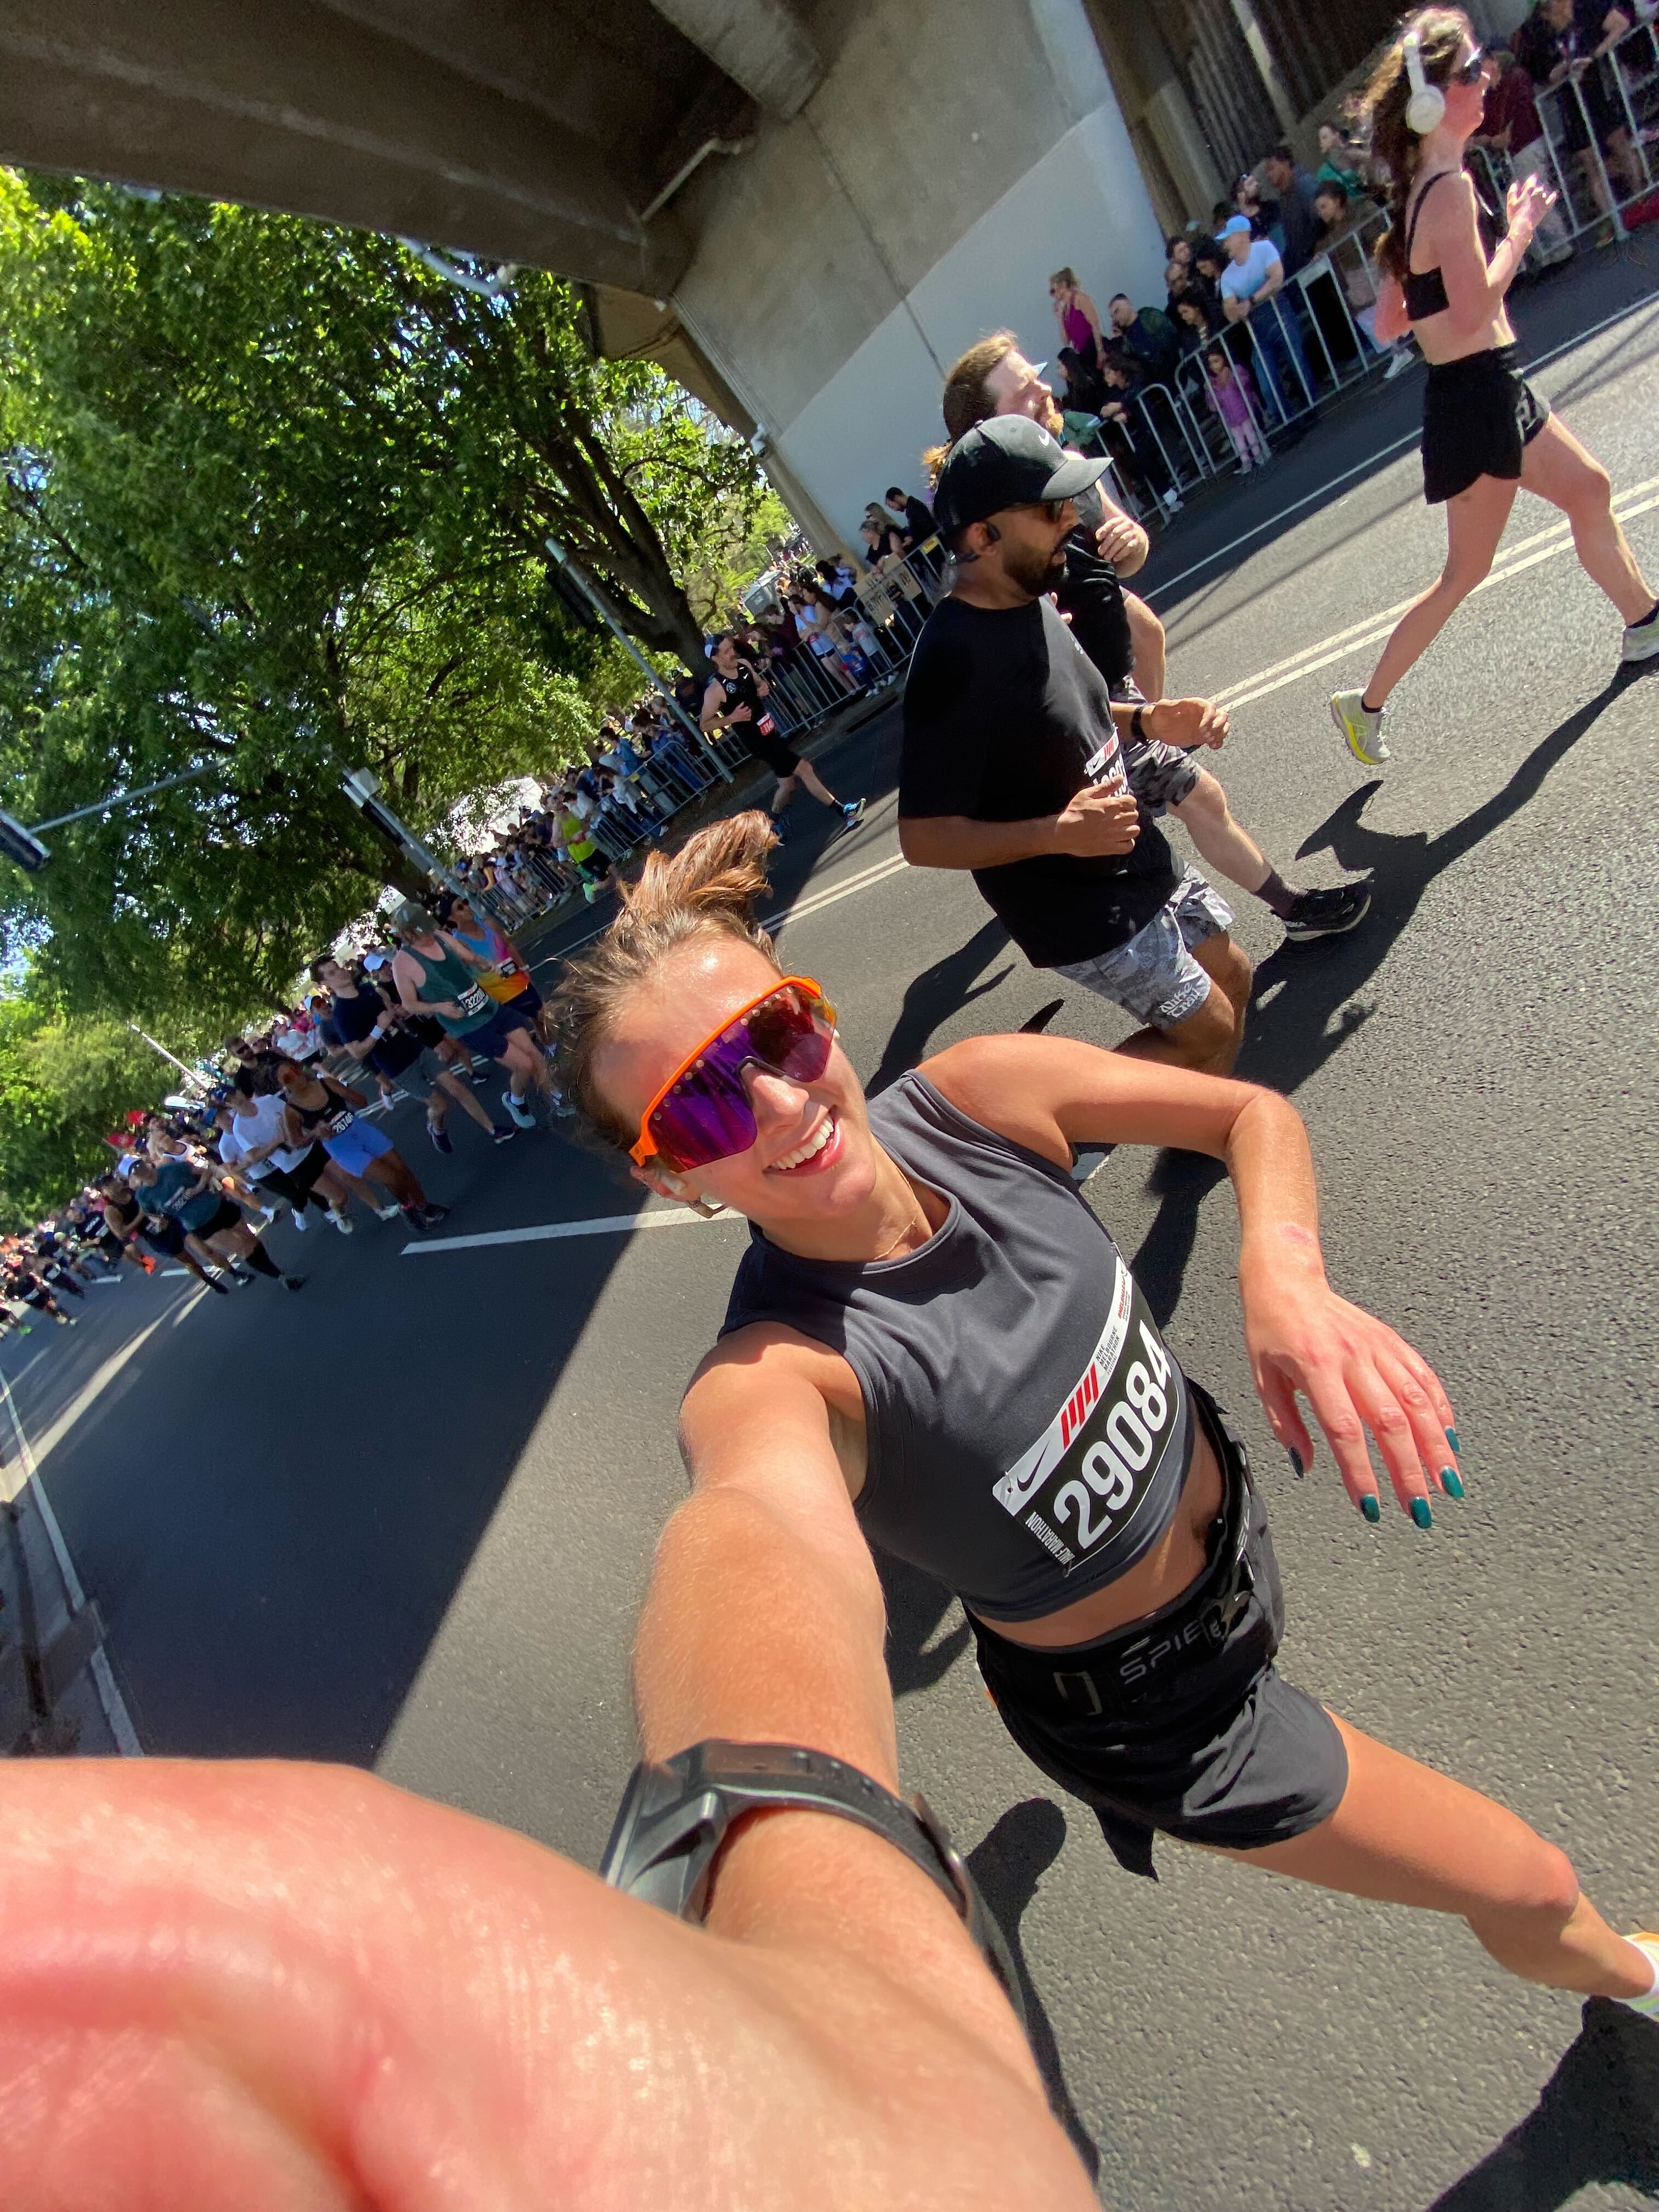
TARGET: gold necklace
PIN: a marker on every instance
(905, 1231)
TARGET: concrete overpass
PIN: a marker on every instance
(804, 211)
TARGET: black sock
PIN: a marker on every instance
(262, 1264)
(1367, 705)
(1647, 619)
(1277, 894)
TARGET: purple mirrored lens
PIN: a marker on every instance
(706, 1115)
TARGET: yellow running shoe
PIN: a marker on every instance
(1361, 727)
(1648, 1944)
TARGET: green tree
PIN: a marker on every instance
(64, 1084)
(276, 501)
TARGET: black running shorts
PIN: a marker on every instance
(1180, 1721)
(1479, 414)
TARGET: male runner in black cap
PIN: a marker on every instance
(1014, 768)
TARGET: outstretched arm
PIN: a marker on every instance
(1305, 1342)
(247, 1987)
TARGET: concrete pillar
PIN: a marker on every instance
(1262, 55)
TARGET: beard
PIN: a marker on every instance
(1032, 569)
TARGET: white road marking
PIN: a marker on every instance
(866, 881)
(109, 1694)
(190, 1305)
(605, 1225)
(100, 1381)
(1382, 453)
(1340, 643)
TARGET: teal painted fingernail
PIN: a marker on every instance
(1371, 1509)
(1295, 1461)
(1421, 1514)
(1451, 1482)
(1451, 1439)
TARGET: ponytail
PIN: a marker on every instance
(1441, 31)
(710, 887)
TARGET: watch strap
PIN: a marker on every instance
(675, 1813)
(1138, 723)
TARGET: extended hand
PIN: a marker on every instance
(1097, 823)
(1120, 541)
(1187, 723)
(1357, 1375)
(244, 1988)
(1527, 204)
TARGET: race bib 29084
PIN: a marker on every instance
(1087, 1474)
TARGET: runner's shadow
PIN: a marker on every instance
(1597, 2120)
(1308, 998)
(1006, 1868)
(933, 996)
(915, 1605)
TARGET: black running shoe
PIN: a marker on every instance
(439, 1137)
(218, 1283)
(1327, 914)
(503, 1133)
(428, 1217)
(479, 1075)
(294, 1282)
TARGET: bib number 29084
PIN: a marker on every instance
(1131, 1428)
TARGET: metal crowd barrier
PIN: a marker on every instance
(1626, 80)
(1174, 437)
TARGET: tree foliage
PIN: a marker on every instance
(275, 500)
(63, 1083)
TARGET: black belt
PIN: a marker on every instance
(1204, 1612)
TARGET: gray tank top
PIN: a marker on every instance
(1028, 1432)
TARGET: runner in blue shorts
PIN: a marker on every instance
(323, 1110)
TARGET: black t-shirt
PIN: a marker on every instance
(918, 519)
(349, 1021)
(1091, 594)
(1007, 718)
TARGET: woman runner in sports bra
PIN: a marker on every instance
(933, 1342)
(1446, 271)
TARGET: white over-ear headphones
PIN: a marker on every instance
(1427, 105)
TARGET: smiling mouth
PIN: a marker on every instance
(805, 1155)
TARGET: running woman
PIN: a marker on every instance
(933, 1343)
(322, 1109)
(1446, 267)
(1112, 626)
(736, 701)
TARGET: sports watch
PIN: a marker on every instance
(1137, 721)
(675, 1813)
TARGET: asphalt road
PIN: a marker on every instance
(406, 1517)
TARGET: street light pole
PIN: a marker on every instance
(578, 577)
(361, 785)
(189, 1074)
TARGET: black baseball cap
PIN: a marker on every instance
(1008, 461)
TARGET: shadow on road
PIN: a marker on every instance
(1308, 1000)
(933, 996)
(1597, 2120)
(1007, 1866)
(915, 1605)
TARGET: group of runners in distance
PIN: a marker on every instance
(449, 1012)
(934, 1346)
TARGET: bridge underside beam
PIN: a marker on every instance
(291, 104)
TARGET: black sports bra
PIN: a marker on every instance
(1426, 290)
